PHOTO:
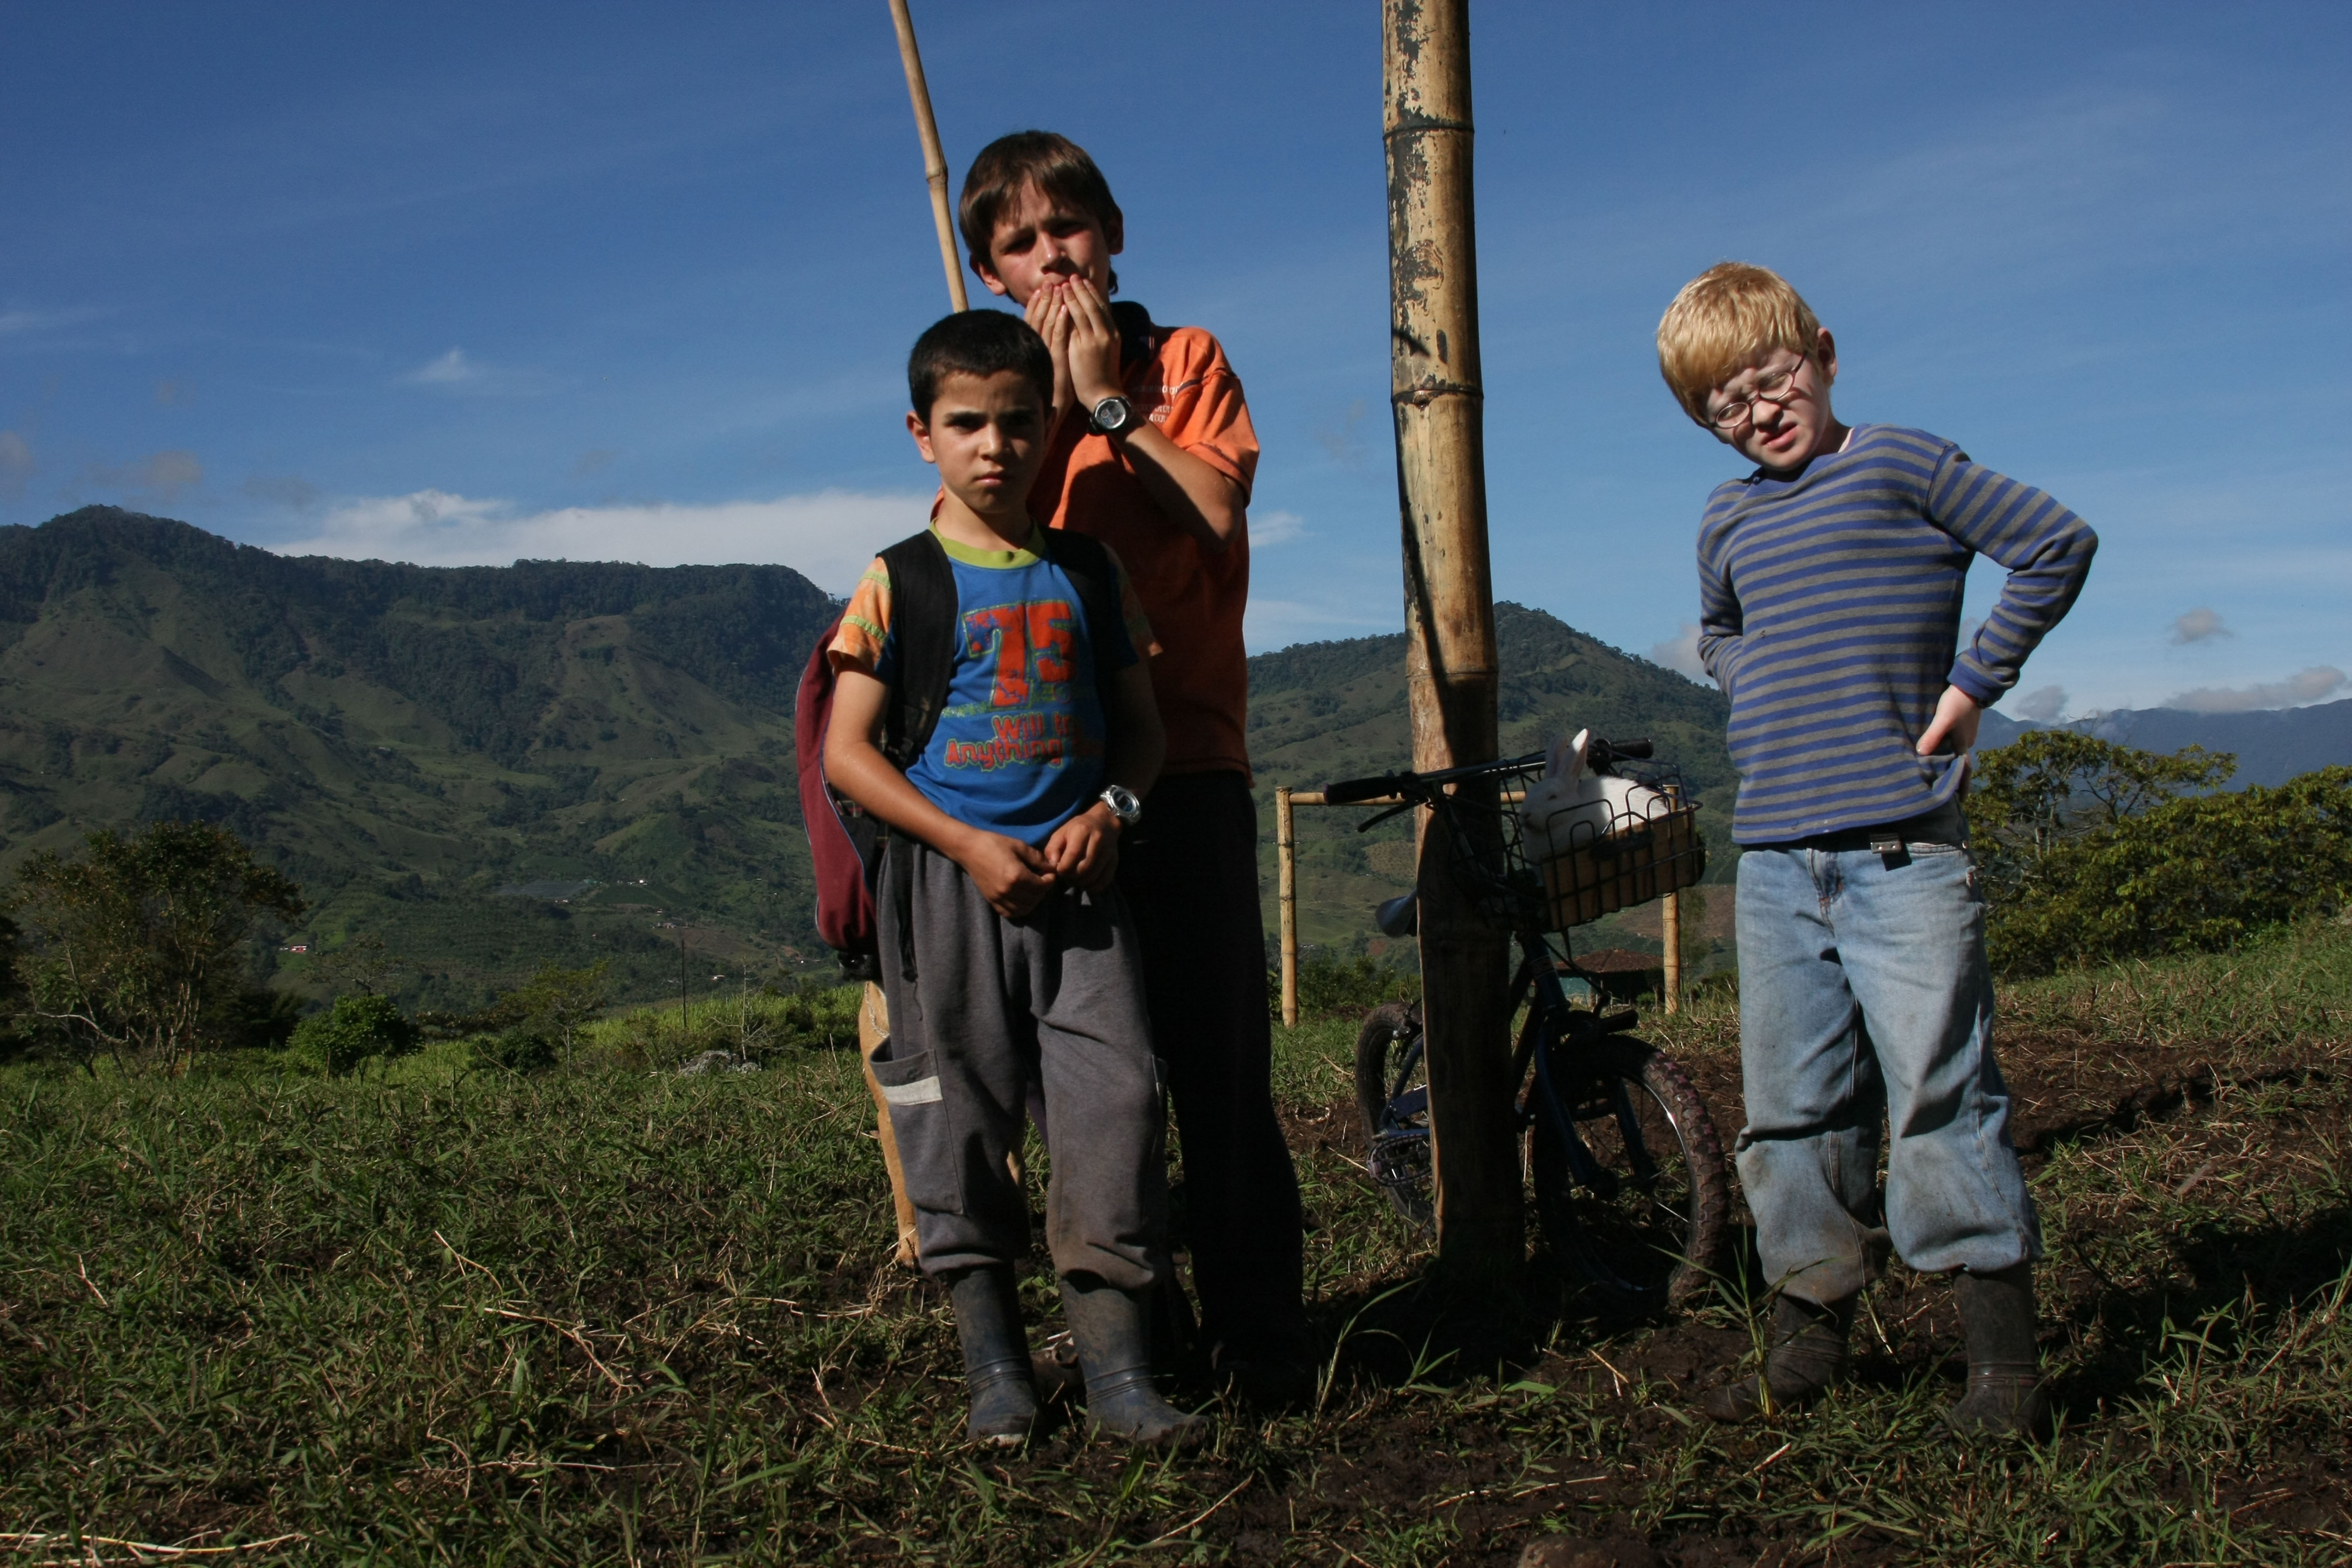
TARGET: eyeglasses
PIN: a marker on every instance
(1775, 388)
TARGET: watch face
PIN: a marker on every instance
(1112, 414)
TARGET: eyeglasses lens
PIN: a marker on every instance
(1773, 388)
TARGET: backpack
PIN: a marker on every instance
(845, 844)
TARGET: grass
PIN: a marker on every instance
(614, 1315)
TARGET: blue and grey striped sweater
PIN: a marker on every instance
(1830, 610)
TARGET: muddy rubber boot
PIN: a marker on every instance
(995, 1356)
(2005, 1397)
(1807, 1358)
(1112, 1329)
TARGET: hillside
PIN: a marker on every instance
(405, 741)
(492, 768)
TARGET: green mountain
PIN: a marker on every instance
(407, 742)
(493, 768)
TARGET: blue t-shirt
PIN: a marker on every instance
(1020, 747)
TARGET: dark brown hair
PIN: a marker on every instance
(976, 342)
(1053, 163)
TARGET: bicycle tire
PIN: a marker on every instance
(1396, 1138)
(1662, 1246)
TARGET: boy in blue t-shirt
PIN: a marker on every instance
(1830, 590)
(1008, 956)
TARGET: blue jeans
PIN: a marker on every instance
(1863, 994)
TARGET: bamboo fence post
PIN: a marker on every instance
(935, 158)
(1674, 952)
(1451, 659)
(1287, 896)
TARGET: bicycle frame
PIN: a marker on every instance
(1507, 891)
(1551, 1023)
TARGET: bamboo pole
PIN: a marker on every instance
(1674, 952)
(1434, 383)
(935, 158)
(1286, 896)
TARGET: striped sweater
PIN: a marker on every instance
(1830, 611)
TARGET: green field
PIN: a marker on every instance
(609, 1314)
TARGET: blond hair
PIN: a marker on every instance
(1722, 322)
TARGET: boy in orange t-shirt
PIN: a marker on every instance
(1152, 453)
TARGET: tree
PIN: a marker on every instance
(2095, 851)
(2050, 788)
(359, 1025)
(561, 1000)
(138, 946)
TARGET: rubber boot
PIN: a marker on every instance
(1808, 1357)
(2005, 1397)
(995, 1356)
(1112, 1330)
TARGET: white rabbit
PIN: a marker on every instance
(1568, 809)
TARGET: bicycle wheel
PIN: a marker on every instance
(1393, 1098)
(1652, 1225)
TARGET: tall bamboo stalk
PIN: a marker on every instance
(935, 158)
(1449, 611)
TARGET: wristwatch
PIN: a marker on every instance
(1111, 415)
(1123, 803)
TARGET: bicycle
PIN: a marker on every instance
(1627, 1167)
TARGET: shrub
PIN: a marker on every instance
(522, 1048)
(1333, 986)
(2199, 873)
(358, 1027)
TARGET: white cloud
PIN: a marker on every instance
(289, 490)
(1277, 623)
(16, 463)
(2312, 685)
(160, 475)
(19, 324)
(455, 373)
(2040, 706)
(2198, 625)
(1269, 529)
(828, 537)
(1680, 653)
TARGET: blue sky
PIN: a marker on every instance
(457, 283)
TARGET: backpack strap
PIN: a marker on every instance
(1087, 562)
(923, 620)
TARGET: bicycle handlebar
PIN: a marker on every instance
(1597, 752)
(1355, 790)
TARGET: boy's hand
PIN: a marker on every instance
(1013, 878)
(1092, 352)
(1049, 317)
(1085, 850)
(1956, 720)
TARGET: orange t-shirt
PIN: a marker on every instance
(1193, 599)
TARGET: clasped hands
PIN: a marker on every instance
(1016, 877)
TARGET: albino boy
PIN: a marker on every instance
(1830, 588)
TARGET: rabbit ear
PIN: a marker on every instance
(1561, 758)
(1575, 744)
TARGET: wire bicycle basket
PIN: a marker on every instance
(1611, 857)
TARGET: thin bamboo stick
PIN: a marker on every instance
(935, 158)
(1285, 850)
(1674, 912)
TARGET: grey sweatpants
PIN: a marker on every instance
(980, 1008)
